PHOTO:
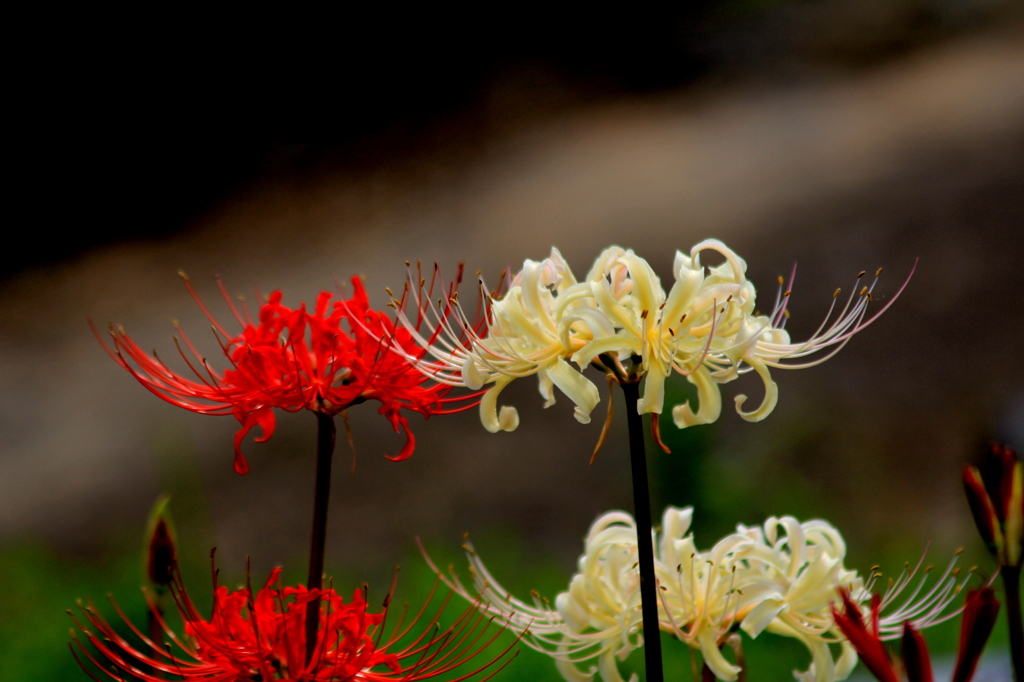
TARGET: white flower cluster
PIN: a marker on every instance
(705, 328)
(781, 578)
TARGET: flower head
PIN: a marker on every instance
(705, 328)
(261, 636)
(782, 577)
(997, 504)
(294, 359)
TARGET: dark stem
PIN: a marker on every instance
(325, 435)
(642, 513)
(155, 630)
(1011, 583)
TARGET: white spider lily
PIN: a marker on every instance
(782, 578)
(705, 329)
(543, 319)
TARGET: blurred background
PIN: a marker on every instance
(284, 151)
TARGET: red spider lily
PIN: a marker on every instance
(262, 637)
(293, 359)
(979, 617)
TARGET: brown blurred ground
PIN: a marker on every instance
(918, 155)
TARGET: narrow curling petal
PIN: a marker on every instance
(771, 395)
(709, 400)
(713, 658)
(508, 420)
(577, 387)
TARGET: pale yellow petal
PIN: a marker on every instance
(508, 420)
(576, 387)
(709, 402)
(771, 395)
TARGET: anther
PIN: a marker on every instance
(863, 291)
(878, 272)
(836, 295)
(861, 274)
(643, 315)
(959, 551)
(785, 294)
(407, 263)
(183, 275)
(781, 281)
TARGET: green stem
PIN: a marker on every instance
(645, 547)
(1011, 584)
(325, 436)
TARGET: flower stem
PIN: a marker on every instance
(325, 436)
(1011, 583)
(645, 547)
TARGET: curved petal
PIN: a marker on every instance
(709, 400)
(680, 296)
(713, 658)
(471, 374)
(653, 399)
(608, 344)
(410, 440)
(609, 668)
(570, 672)
(531, 292)
(546, 388)
(771, 394)
(602, 264)
(596, 321)
(646, 285)
(736, 264)
(757, 620)
(577, 387)
(846, 663)
(264, 418)
(613, 309)
(508, 420)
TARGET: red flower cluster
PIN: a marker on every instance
(294, 359)
(262, 637)
(979, 617)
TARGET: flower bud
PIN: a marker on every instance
(978, 619)
(996, 497)
(160, 551)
